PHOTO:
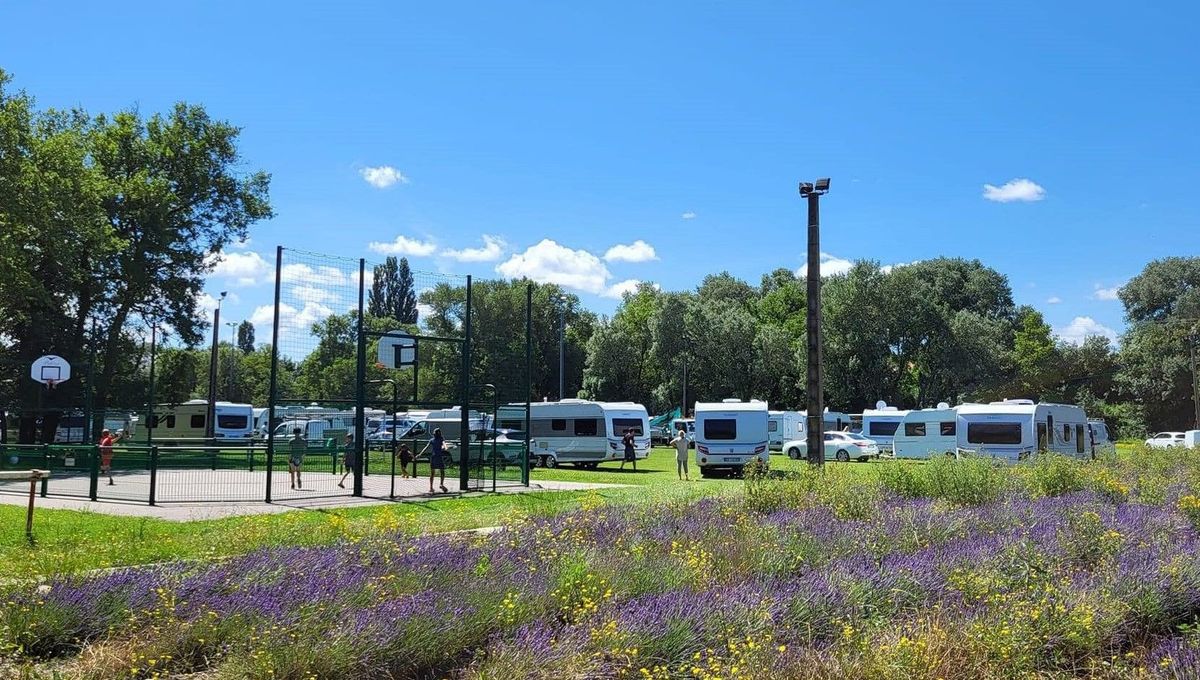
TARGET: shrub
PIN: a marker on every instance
(967, 480)
(1051, 474)
(904, 479)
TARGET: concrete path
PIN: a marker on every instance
(239, 492)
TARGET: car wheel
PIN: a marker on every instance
(551, 462)
(843, 457)
(794, 453)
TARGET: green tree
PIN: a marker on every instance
(245, 337)
(392, 293)
(1035, 357)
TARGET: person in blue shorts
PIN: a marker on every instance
(438, 450)
(297, 447)
(349, 459)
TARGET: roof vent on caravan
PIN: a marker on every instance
(943, 405)
(731, 401)
(880, 405)
(1015, 402)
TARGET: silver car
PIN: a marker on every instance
(839, 446)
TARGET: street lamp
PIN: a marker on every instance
(816, 407)
(210, 420)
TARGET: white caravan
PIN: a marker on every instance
(1101, 440)
(729, 435)
(580, 432)
(688, 425)
(881, 423)
(1014, 429)
(183, 422)
(927, 432)
(784, 426)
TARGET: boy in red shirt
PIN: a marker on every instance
(106, 453)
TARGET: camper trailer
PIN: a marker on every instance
(1015, 429)
(186, 423)
(927, 432)
(729, 435)
(580, 432)
(783, 426)
(688, 425)
(1102, 442)
(880, 424)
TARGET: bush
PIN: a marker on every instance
(904, 479)
(1051, 474)
(968, 480)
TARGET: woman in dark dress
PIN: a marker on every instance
(630, 453)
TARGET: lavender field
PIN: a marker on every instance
(942, 570)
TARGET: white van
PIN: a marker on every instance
(1102, 442)
(729, 435)
(580, 432)
(185, 423)
(784, 426)
(880, 424)
(927, 432)
(1015, 429)
(318, 432)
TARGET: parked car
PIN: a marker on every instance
(840, 446)
(1166, 440)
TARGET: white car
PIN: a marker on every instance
(1165, 440)
(839, 446)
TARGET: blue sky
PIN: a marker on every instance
(685, 126)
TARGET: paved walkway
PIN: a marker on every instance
(240, 492)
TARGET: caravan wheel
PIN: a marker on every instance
(794, 453)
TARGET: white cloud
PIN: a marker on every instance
(830, 266)
(618, 290)
(1053, 300)
(315, 294)
(241, 269)
(242, 245)
(290, 319)
(493, 248)
(889, 268)
(549, 262)
(208, 302)
(404, 246)
(323, 275)
(638, 251)
(1081, 327)
(382, 176)
(1019, 189)
(689, 215)
(1102, 293)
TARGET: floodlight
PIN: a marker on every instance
(822, 184)
(806, 188)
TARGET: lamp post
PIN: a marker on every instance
(812, 191)
(210, 421)
(1195, 340)
(395, 407)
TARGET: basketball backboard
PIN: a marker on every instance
(397, 349)
(50, 369)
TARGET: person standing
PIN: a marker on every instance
(680, 442)
(349, 459)
(630, 452)
(297, 448)
(438, 449)
(106, 453)
(406, 457)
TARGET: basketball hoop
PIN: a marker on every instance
(50, 385)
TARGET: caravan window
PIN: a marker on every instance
(882, 428)
(621, 424)
(231, 422)
(1066, 433)
(914, 429)
(949, 428)
(197, 422)
(719, 429)
(772, 426)
(558, 424)
(585, 427)
(994, 433)
(1078, 439)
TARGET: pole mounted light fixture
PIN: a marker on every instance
(815, 421)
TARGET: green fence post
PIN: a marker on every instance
(528, 382)
(273, 388)
(464, 443)
(94, 481)
(45, 465)
(153, 473)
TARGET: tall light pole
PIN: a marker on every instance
(1195, 340)
(233, 350)
(562, 344)
(210, 420)
(814, 387)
